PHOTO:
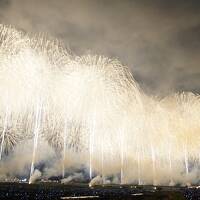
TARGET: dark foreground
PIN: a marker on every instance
(82, 191)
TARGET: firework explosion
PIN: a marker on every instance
(91, 107)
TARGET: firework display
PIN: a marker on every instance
(91, 106)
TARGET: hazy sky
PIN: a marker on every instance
(158, 39)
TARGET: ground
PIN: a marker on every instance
(53, 190)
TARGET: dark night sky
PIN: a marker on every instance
(158, 39)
